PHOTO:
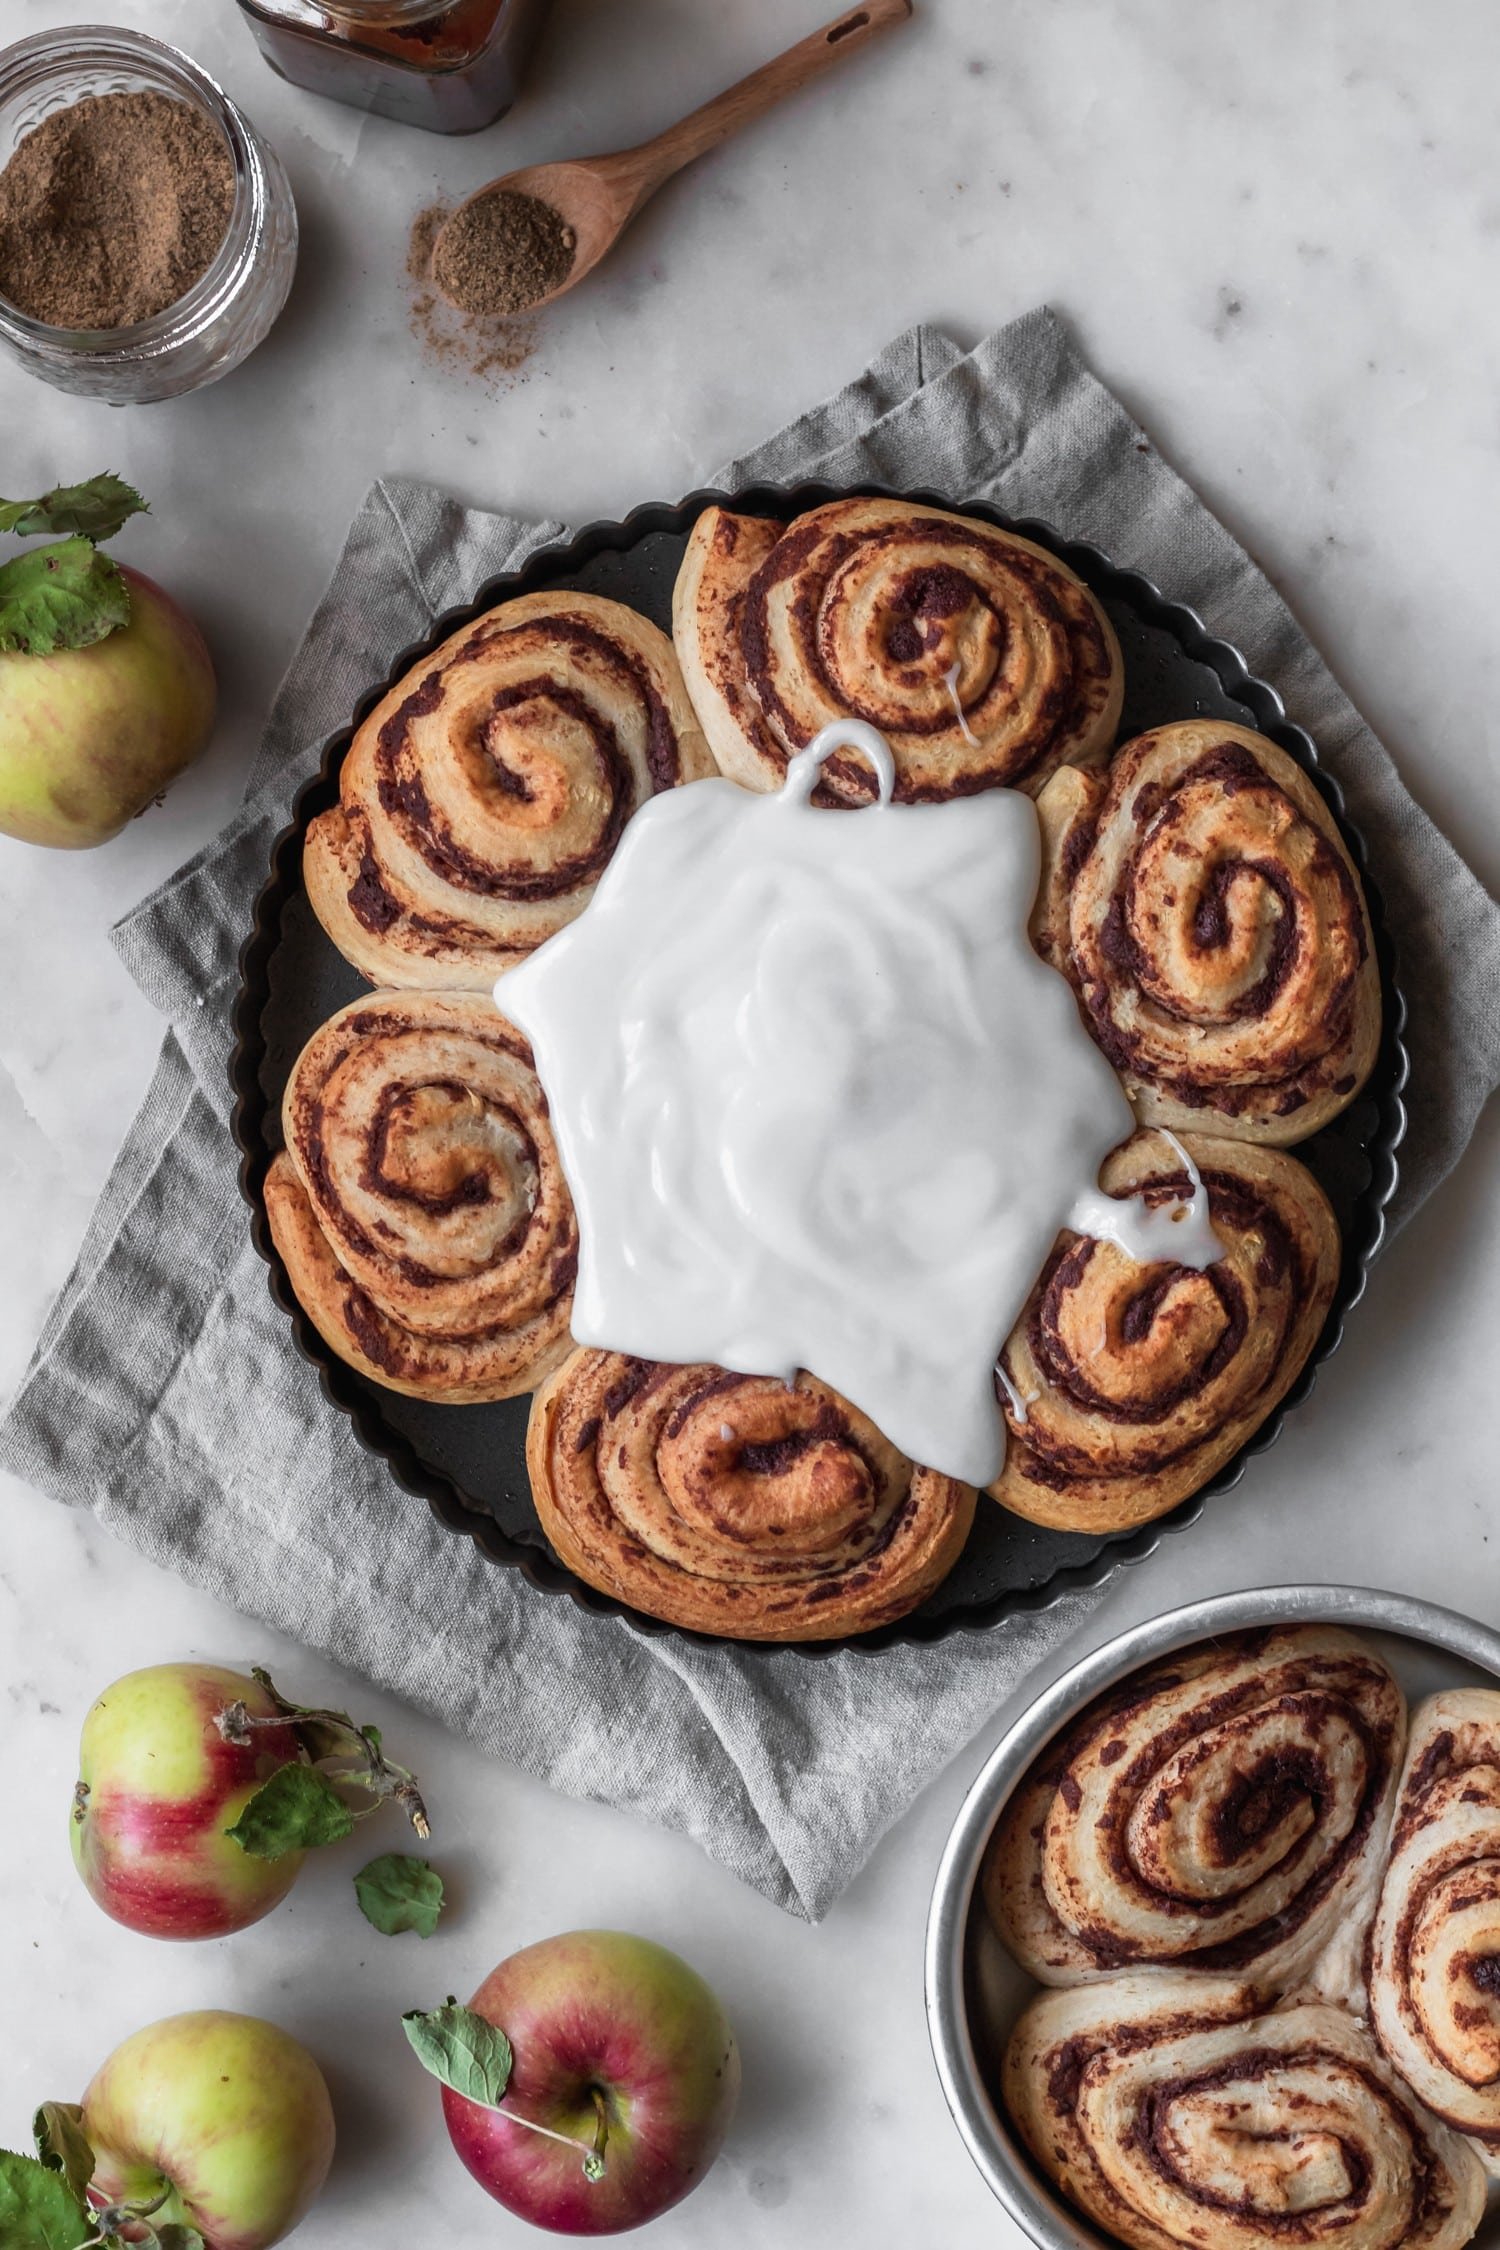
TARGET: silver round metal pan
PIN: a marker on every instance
(974, 1990)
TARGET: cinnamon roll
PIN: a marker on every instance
(419, 1206)
(1216, 932)
(1173, 2111)
(481, 800)
(1433, 1966)
(736, 1504)
(981, 658)
(1225, 1810)
(1125, 1387)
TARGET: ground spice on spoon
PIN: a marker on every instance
(111, 209)
(503, 253)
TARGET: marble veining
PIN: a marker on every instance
(1274, 229)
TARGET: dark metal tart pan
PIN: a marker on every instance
(468, 1463)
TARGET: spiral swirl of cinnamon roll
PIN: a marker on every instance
(1433, 1967)
(419, 1206)
(1174, 2112)
(1216, 932)
(1224, 1810)
(482, 799)
(980, 657)
(1126, 1386)
(735, 1504)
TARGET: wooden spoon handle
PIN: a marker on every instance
(656, 160)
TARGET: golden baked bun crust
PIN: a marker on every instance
(1136, 1383)
(1176, 2111)
(482, 799)
(982, 658)
(1201, 900)
(733, 1504)
(419, 1205)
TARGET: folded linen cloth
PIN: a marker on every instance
(166, 1394)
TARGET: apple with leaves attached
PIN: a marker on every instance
(590, 2083)
(200, 1789)
(106, 687)
(220, 2121)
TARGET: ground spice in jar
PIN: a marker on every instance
(111, 209)
(503, 253)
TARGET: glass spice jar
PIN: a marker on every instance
(450, 66)
(231, 307)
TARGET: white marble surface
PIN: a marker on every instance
(1275, 229)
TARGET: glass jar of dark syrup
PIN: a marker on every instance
(450, 66)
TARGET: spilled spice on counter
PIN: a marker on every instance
(503, 253)
(111, 209)
(485, 345)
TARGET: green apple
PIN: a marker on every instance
(88, 736)
(224, 2116)
(158, 1790)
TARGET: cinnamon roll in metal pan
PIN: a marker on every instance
(1433, 1964)
(1125, 1387)
(1225, 1811)
(1177, 2111)
(483, 797)
(1200, 898)
(981, 658)
(419, 1206)
(735, 1504)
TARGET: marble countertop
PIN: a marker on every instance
(1275, 231)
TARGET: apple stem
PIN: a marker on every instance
(113, 2219)
(595, 2170)
(350, 1753)
(593, 2159)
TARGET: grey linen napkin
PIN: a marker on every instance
(166, 1394)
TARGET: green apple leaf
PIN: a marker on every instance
(64, 596)
(62, 2144)
(297, 1809)
(397, 1893)
(38, 2209)
(463, 2050)
(175, 2236)
(97, 509)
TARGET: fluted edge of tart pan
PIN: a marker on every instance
(625, 560)
(960, 2039)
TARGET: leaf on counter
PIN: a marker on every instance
(66, 596)
(397, 1892)
(462, 2050)
(62, 2145)
(296, 1810)
(38, 2210)
(96, 509)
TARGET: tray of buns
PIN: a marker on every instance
(1203, 891)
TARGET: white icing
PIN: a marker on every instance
(950, 681)
(819, 1103)
(1018, 1399)
(1180, 1233)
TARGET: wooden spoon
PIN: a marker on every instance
(598, 196)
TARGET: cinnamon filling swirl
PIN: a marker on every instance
(1203, 904)
(420, 1207)
(1433, 1968)
(481, 801)
(981, 657)
(1126, 1386)
(1225, 1811)
(735, 1504)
